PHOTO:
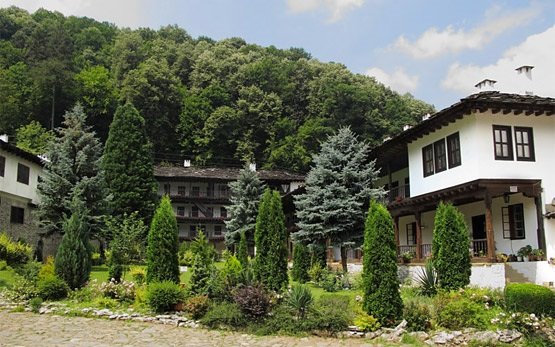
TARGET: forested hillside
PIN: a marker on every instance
(212, 100)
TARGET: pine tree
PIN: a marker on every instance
(270, 265)
(450, 243)
(162, 246)
(245, 197)
(73, 258)
(301, 263)
(382, 298)
(128, 165)
(338, 187)
(73, 165)
(200, 276)
(242, 251)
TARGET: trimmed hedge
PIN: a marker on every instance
(164, 296)
(531, 298)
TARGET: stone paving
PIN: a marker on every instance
(33, 330)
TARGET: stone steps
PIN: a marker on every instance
(514, 276)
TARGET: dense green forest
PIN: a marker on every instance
(215, 101)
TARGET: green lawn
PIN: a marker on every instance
(100, 273)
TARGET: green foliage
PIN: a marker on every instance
(451, 258)
(418, 316)
(161, 253)
(426, 280)
(30, 271)
(301, 263)
(316, 273)
(270, 266)
(231, 272)
(138, 274)
(22, 289)
(334, 313)
(245, 196)
(163, 296)
(52, 287)
(318, 255)
(14, 253)
(3, 265)
(201, 271)
(299, 299)
(128, 166)
(337, 189)
(531, 298)
(242, 251)
(254, 301)
(200, 246)
(455, 312)
(122, 291)
(381, 283)
(36, 304)
(186, 256)
(73, 258)
(196, 306)
(33, 138)
(224, 314)
(330, 281)
(366, 322)
(127, 245)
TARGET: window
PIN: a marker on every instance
(194, 211)
(167, 188)
(181, 211)
(411, 233)
(195, 191)
(17, 215)
(181, 190)
(2, 165)
(439, 156)
(209, 212)
(217, 230)
(223, 212)
(502, 142)
(22, 173)
(407, 187)
(193, 231)
(513, 222)
(428, 160)
(453, 150)
(210, 191)
(524, 144)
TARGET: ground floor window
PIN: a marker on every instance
(17, 215)
(513, 222)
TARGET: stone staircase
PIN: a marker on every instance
(514, 276)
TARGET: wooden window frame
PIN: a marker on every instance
(454, 158)
(17, 215)
(428, 149)
(23, 173)
(411, 229)
(508, 143)
(514, 226)
(440, 156)
(529, 131)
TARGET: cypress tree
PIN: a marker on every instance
(200, 276)
(73, 258)
(242, 251)
(450, 255)
(301, 263)
(162, 245)
(128, 165)
(381, 282)
(270, 265)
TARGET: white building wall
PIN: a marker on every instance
(9, 184)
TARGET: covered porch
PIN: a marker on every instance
(502, 216)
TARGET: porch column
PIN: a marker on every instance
(489, 229)
(418, 235)
(396, 230)
(541, 229)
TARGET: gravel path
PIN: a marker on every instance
(33, 330)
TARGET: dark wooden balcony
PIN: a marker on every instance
(201, 196)
(397, 194)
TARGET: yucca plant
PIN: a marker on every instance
(299, 300)
(427, 280)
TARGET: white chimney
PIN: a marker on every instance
(486, 85)
(186, 163)
(406, 127)
(252, 167)
(526, 70)
(4, 137)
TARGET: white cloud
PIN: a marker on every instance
(433, 42)
(336, 8)
(537, 50)
(399, 80)
(127, 13)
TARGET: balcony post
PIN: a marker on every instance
(417, 217)
(539, 218)
(489, 228)
(396, 231)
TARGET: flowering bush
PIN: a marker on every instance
(123, 291)
(523, 322)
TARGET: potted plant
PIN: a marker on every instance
(525, 252)
(407, 257)
(536, 255)
(512, 258)
(501, 257)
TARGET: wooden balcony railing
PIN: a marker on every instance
(398, 193)
(479, 247)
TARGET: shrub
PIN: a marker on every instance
(22, 289)
(104, 302)
(96, 260)
(200, 276)
(225, 313)
(163, 296)
(299, 299)
(316, 272)
(418, 316)
(85, 294)
(196, 306)
(3, 265)
(366, 322)
(138, 274)
(123, 291)
(254, 301)
(52, 287)
(231, 272)
(242, 250)
(330, 281)
(527, 323)
(29, 271)
(332, 314)
(381, 282)
(48, 268)
(35, 304)
(531, 298)
(301, 263)
(14, 253)
(426, 280)
(456, 312)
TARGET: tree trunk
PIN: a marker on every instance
(344, 258)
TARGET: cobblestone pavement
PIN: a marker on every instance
(33, 330)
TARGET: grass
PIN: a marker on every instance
(7, 277)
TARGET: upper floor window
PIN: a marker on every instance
(217, 230)
(453, 150)
(428, 160)
(439, 156)
(195, 191)
(181, 211)
(223, 212)
(17, 215)
(502, 142)
(22, 173)
(181, 190)
(2, 165)
(524, 144)
(167, 188)
(194, 211)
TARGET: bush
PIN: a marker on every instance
(96, 260)
(254, 301)
(14, 253)
(366, 322)
(299, 299)
(418, 316)
(201, 272)
(301, 263)
(123, 291)
(531, 298)
(316, 272)
(85, 294)
(426, 280)
(456, 312)
(138, 274)
(196, 306)
(163, 296)
(231, 272)
(103, 302)
(330, 281)
(51, 287)
(225, 313)
(22, 289)
(3, 265)
(48, 268)
(35, 304)
(332, 314)
(29, 271)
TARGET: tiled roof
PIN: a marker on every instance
(220, 173)
(21, 153)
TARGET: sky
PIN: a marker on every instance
(437, 50)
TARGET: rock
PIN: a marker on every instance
(163, 316)
(442, 338)
(371, 335)
(113, 316)
(354, 328)
(402, 325)
(420, 335)
(484, 336)
(508, 336)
